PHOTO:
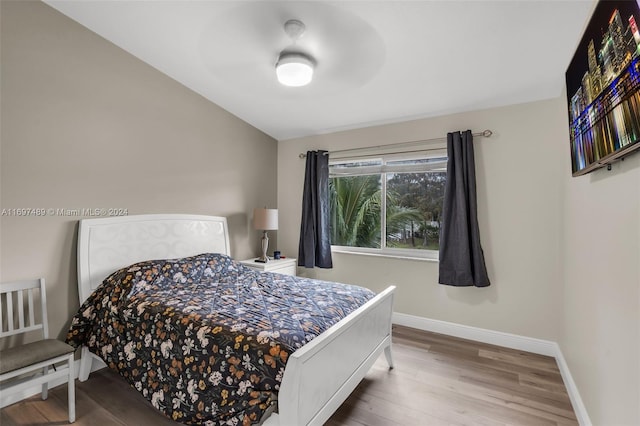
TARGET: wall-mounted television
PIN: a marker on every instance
(602, 80)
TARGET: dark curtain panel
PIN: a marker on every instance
(315, 237)
(461, 256)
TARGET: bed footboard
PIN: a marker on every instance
(321, 375)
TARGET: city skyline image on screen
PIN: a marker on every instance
(602, 80)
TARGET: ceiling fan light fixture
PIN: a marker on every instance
(294, 69)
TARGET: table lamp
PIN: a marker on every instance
(265, 220)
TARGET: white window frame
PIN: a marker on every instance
(419, 254)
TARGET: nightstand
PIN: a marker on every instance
(280, 266)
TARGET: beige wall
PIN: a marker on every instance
(84, 124)
(519, 169)
(601, 310)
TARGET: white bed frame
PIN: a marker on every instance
(318, 377)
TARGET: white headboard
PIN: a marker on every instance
(108, 244)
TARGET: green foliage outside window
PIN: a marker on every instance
(421, 194)
(355, 211)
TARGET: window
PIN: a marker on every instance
(390, 204)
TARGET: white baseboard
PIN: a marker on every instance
(37, 389)
(507, 340)
(513, 341)
(572, 389)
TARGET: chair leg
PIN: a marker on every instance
(45, 388)
(71, 391)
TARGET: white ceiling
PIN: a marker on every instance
(377, 61)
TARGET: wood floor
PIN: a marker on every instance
(437, 380)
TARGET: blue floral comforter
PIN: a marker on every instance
(206, 339)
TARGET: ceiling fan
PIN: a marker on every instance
(294, 68)
(315, 41)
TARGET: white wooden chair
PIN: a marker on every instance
(18, 364)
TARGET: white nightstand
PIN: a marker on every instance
(280, 266)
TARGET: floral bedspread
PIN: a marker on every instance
(206, 339)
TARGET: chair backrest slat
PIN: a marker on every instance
(16, 304)
(43, 300)
(32, 320)
(1, 314)
(20, 306)
(10, 311)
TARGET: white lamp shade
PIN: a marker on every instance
(294, 69)
(265, 219)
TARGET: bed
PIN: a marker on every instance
(316, 376)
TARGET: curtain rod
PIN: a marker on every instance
(484, 134)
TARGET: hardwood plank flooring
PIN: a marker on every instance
(437, 380)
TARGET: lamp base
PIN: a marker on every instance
(265, 246)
